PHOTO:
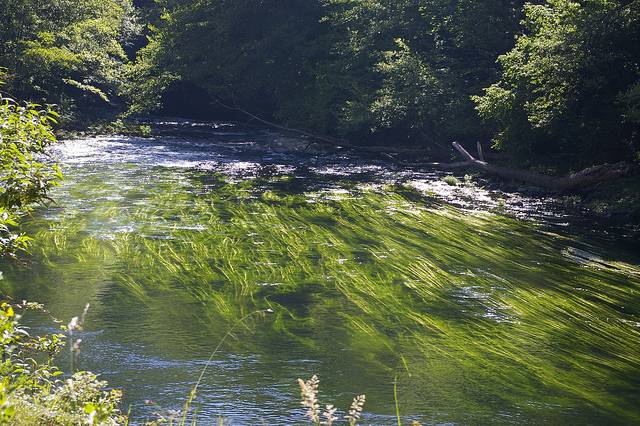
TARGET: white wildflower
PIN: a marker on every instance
(73, 324)
(329, 415)
(355, 411)
(309, 393)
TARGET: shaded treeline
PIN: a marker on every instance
(542, 79)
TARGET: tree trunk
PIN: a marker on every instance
(576, 181)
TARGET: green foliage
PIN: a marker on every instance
(61, 51)
(402, 71)
(31, 391)
(570, 83)
(354, 68)
(451, 180)
(120, 127)
(413, 65)
(26, 176)
(276, 66)
(148, 78)
(412, 71)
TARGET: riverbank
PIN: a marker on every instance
(618, 201)
(613, 204)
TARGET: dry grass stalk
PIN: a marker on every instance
(329, 415)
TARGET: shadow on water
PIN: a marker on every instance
(485, 318)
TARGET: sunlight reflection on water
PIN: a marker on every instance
(486, 304)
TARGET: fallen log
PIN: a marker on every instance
(582, 179)
(576, 181)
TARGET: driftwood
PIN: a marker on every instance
(576, 181)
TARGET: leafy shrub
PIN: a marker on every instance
(25, 175)
(451, 180)
(31, 391)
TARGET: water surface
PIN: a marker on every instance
(486, 307)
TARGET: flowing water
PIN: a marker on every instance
(487, 308)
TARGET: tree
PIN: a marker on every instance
(269, 57)
(570, 85)
(61, 51)
(413, 65)
(357, 68)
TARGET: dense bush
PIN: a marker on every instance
(26, 175)
(32, 391)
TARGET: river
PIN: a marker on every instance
(485, 307)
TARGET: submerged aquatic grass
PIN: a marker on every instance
(488, 314)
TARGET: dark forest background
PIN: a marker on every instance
(543, 81)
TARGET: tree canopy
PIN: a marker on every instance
(63, 51)
(547, 77)
(571, 82)
(351, 68)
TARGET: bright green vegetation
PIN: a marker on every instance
(32, 392)
(451, 180)
(479, 315)
(25, 133)
(71, 53)
(483, 318)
